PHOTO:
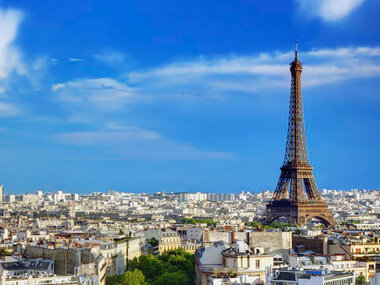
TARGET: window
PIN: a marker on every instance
(258, 263)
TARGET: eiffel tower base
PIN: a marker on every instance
(298, 213)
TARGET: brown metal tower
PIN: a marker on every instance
(296, 196)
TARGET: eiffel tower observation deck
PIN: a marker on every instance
(296, 196)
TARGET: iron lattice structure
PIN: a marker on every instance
(296, 196)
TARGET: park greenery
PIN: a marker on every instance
(175, 267)
(271, 226)
(192, 221)
(350, 222)
(276, 225)
(135, 277)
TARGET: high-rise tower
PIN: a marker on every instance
(296, 196)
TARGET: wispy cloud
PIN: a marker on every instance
(10, 59)
(329, 10)
(110, 57)
(74, 59)
(91, 102)
(16, 73)
(9, 55)
(215, 77)
(98, 101)
(109, 136)
(105, 93)
(126, 142)
(220, 77)
(9, 110)
(348, 52)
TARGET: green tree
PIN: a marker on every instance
(128, 278)
(173, 267)
(179, 260)
(360, 280)
(255, 224)
(172, 278)
(133, 278)
(152, 241)
(150, 266)
(189, 221)
(209, 222)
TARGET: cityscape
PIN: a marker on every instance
(95, 130)
(70, 238)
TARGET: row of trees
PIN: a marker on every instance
(175, 267)
(192, 221)
(273, 225)
(276, 225)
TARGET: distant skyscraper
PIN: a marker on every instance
(1, 193)
(296, 196)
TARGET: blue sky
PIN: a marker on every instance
(184, 95)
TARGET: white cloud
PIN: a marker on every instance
(104, 93)
(10, 59)
(9, 55)
(17, 74)
(329, 10)
(217, 77)
(109, 136)
(93, 102)
(13, 68)
(110, 57)
(126, 142)
(58, 86)
(74, 59)
(8, 110)
(348, 52)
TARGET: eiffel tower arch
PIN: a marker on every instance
(296, 196)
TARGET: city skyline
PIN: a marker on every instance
(179, 98)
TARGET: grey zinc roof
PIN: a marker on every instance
(289, 276)
(39, 265)
(13, 266)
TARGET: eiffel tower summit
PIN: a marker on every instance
(296, 197)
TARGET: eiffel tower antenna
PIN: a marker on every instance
(296, 196)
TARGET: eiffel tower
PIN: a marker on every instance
(296, 197)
